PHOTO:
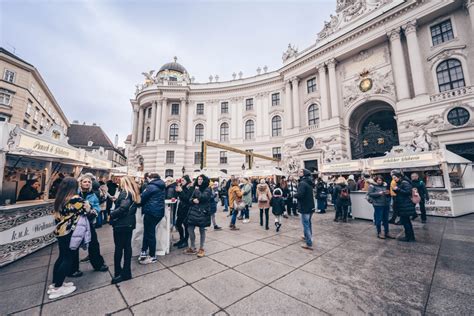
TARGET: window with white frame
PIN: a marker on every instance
(42, 121)
(442, 32)
(311, 85)
(35, 117)
(313, 115)
(169, 173)
(4, 118)
(276, 152)
(200, 109)
(223, 157)
(147, 134)
(197, 157)
(9, 76)
(224, 107)
(199, 133)
(5, 97)
(32, 89)
(175, 109)
(174, 130)
(224, 132)
(450, 75)
(29, 106)
(169, 156)
(276, 125)
(250, 129)
(275, 99)
(249, 104)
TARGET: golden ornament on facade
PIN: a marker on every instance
(365, 84)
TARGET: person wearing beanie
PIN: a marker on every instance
(405, 206)
(305, 199)
(278, 207)
(343, 199)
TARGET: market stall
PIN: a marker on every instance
(30, 162)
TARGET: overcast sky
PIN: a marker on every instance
(91, 53)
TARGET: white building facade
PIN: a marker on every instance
(380, 74)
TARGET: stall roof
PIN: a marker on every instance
(34, 155)
(451, 157)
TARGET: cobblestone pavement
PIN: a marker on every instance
(258, 272)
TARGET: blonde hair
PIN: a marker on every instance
(131, 187)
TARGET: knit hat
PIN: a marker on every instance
(277, 192)
(351, 177)
(396, 173)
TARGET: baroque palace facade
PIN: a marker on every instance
(381, 73)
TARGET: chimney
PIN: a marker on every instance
(94, 124)
(116, 141)
(75, 122)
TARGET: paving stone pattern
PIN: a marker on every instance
(258, 272)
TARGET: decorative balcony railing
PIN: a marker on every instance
(459, 92)
(309, 128)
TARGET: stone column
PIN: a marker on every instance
(296, 102)
(398, 65)
(157, 119)
(183, 114)
(164, 117)
(288, 109)
(153, 121)
(470, 8)
(135, 125)
(416, 64)
(141, 117)
(189, 123)
(333, 88)
(324, 92)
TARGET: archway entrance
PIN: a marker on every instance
(373, 130)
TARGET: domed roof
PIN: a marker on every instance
(173, 66)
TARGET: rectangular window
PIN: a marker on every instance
(276, 152)
(223, 157)
(25, 124)
(4, 118)
(197, 157)
(224, 107)
(35, 117)
(249, 104)
(200, 109)
(9, 76)
(311, 85)
(5, 97)
(175, 109)
(169, 156)
(32, 90)
(42, 121)
(442, 32)
(275, 99)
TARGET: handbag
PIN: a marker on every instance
(239, 205)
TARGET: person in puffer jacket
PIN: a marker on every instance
(379, 196)
(278, 207)
(153, 210)
(405, 206)
(81, 235)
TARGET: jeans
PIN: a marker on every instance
(246, 212)
(381, 216)
(123, 246)
(99, 219)
(62, 266)
(192, 236)
(266, 217)
(406, 222)
(322, 204)
(226, 203)
(341, 211)
(233, 219)
(149, 234)
(307, 228)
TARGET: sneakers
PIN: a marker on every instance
(200, 253)
(85, 259)
(51, 286)
(76, 274)
(278, 225)
(142, 256)
(149, 260)
(245, 221)
(190, 251)
(61, 291)
(182, 245)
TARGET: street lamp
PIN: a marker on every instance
(243, 166)
(183, 170)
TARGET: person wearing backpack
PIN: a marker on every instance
(423, 192)
(405, 205)
(263, 197)
(343, 199)
(379, 197)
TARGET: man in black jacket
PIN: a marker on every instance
(423, 192)
(305, 199)
(405, 206)
(153, 210)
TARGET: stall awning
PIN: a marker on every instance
(424, 159)
(343, 167)
(45, 157)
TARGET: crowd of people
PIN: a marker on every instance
(83, 205)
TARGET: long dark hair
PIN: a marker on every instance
(67, 189)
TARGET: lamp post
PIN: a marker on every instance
(183, 170)
(243, 166)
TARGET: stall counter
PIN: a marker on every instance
(24, 228)
(361, 208)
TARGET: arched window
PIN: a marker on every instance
(147, 135)
(276, 126)
(249, 129)
(450, 75)
(199, 133)
(174, 132)
(313, 115)
(224, 132)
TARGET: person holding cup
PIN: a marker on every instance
(379, 197)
